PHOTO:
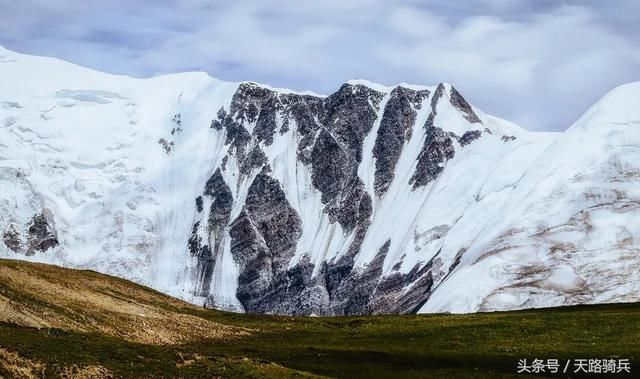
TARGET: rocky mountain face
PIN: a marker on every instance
(275, 273)
(370, 200)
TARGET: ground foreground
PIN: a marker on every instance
(57, 322)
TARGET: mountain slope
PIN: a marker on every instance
(373, 199)
(568, 233)
(57, 322)
(42, 296)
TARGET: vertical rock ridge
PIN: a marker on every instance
(463, 106)
(207, 243)
(350, 114)
(263, 241)
(437, 149)
(395, 130)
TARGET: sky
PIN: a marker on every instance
(538, 63)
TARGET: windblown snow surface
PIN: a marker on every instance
(514, 219)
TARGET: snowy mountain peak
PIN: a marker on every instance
(386, 89)
(619, 105)
(371, 199)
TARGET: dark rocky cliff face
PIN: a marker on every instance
(206, 250)
(263, 240)
(330, 136)
(37, 236)
(395, 130)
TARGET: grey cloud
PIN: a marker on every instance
(537, 63)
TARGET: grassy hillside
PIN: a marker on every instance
(57, 322)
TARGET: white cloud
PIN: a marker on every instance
(538, 63)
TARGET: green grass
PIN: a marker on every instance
(411, 346)
(477, 345)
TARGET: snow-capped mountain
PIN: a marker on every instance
(372, 199)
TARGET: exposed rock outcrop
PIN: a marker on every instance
(438, 148)
(461, 104)
(37, 235)
(395, 130)
(263, 240)
(469, 137)
(206, 243)
(331, 133)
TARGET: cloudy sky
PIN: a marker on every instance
(539, 63)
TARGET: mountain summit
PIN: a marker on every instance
(372, 199)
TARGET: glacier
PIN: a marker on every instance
(373, 199)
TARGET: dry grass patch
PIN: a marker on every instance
(18, 367)
(44, 296)
(87, 372)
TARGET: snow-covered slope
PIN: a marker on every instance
(373, 199)
(569, 230)
(84, 147)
